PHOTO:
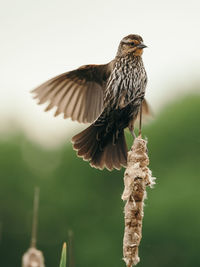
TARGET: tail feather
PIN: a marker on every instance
(82, 136)
(96, 146)
(116, 159)
(107, 158)
(85, 147)
(91, 152)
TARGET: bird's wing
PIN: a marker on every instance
(77, 94)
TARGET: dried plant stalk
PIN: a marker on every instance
(34, 257)
(137, 176)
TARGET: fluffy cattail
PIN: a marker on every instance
(33, 258)
(137, 176)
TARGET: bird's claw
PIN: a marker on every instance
(133, 134)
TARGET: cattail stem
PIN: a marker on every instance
(34, 257)
(35, 217)
(70, 249)
(137, 176)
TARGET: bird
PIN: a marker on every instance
(108, 96)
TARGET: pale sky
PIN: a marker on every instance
(40, 39)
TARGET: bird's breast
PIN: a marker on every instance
(126, 83)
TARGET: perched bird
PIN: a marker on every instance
(109, 96)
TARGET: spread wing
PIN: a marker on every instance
(77, 94)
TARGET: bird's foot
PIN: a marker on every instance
(133, 134)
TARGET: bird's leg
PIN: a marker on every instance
(131, 129)
(140, 120)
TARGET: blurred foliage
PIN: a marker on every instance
(76, 197)
(63, 256)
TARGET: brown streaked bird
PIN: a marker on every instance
(108, 96)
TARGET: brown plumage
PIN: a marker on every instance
(108, 96)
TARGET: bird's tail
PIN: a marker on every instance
(100, 148)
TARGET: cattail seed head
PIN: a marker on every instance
(137, 176)
(33, 258)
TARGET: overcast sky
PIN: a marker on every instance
(40, 39)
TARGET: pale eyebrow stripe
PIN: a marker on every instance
(129, 41)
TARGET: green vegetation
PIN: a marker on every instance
(63, 256)
(75, 196)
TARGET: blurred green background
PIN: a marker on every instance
(75, 197)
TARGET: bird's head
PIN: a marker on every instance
(131, 44)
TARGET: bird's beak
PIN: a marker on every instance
(141, 46)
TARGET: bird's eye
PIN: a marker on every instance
(132, 43)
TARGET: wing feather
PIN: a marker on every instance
(77, 94)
